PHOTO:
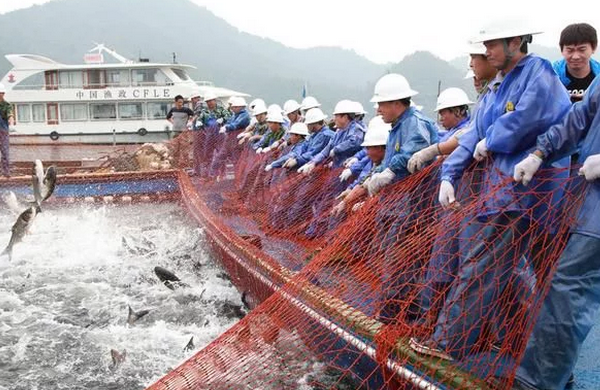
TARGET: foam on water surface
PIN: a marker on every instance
(64, 297)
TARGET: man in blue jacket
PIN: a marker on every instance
(571, 306)
(346, 141)
(525, 99)
(577, 69)
(411, 130)
(320, 136)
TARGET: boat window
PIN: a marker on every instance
(131, 111)
(181, 74)
(71, 79)
(73, 112)
(51, 79)
(103, 111)
(39, 112)
(149, 76)
(35, 81)
(95, 78)
(118, 78)
(23, 113)
(158, 110)
(52, 113)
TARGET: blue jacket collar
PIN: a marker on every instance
(560, 67)
(407, 113)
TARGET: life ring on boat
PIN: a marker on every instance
(54, 136)
(142, 131)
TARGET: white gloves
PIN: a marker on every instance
(332, 153)
(241, 135)
(290, 163)
(446, 196)
(481, 151)
(525, 170)
(266, 150)
(421, 158)
(259, 151)
(346, 173)
(220, 121)
(591, 168)
(349, 162)
(223, 130)
(357, 206)
(307, 168)
(268, 168)
(282, 145)
(380, 180)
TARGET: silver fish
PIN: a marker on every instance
(49, 183)
(19, 229)
(37, 181)
(168, 278)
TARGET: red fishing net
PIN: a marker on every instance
(391, 292)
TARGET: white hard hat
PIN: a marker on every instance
(452, 97)
(275, 107)
(255, 103)
(391, 87)
(504, 29)
(2, 88)
(377, 134)
(230, 100)
(195, 94)
(291, 106)
(274, 116)
(470, 74)
(210, 95)
(310, 102)
(259, 108)
(344, 107)
(476, 48)
(299, 128)
(376, 120)
(314, 115)
(238, 102)
(359, 109)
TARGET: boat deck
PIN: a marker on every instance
(68, 158)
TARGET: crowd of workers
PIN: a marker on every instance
(529, 114)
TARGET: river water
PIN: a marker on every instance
(64, 297)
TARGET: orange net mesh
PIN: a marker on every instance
(396, 293)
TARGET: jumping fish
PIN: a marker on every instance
(19, 229)
(168, 278)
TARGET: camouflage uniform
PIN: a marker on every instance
(206, 136)
(5, 113)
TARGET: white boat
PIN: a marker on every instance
(96, 102)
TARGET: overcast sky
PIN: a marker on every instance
(384, 30)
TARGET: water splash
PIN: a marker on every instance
(64, 298)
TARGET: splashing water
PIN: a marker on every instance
(64, 297)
